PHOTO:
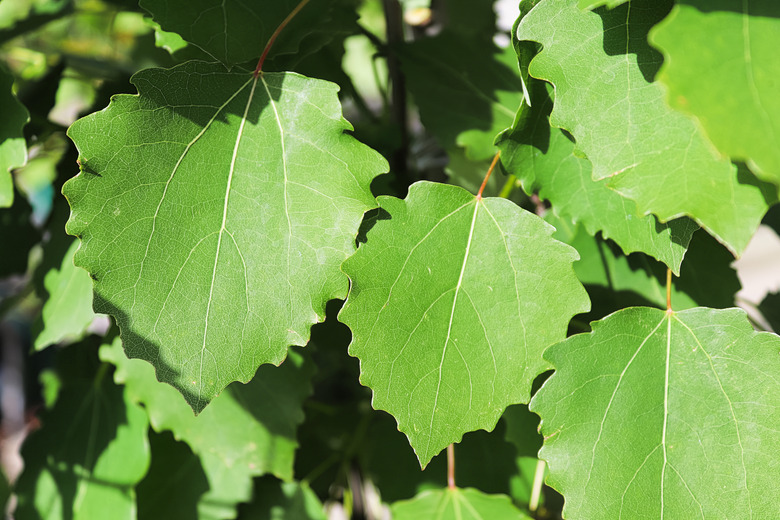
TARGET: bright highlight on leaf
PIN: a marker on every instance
(214, 210)
(602, 68)
(457, 504)
(657, 415)
(453, 300)
(731, 84)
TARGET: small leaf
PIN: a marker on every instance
(457, 504)
(731, 83)
(450, 310)
(664, 415)
(13, 150)
(67, 308)
(601, 67)
(249, 430)
(214, 210)
(543, 159)
(91, 450)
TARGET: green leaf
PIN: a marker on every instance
(664, 415)
(467, 89)
(13, 150)
(449, 313)
(235, 32)
(731, 83)
(67, 308)
(543, 160)
(591, 4)
(214, 210)
(276, 500)
(601, 65)
(249, 430)
(457, 504)
(174, 483)
(91, 450)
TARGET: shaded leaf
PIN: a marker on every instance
(274, 500)
(67, 309)
(214, 210)
(91, 450)
(449, 313)
(664, 415)
(460, 504)
(248, 430)
(467, 89)
(174, 483)
(731, 83)
(543, 159)
(601, 67)
(17, 235)
(13, 150)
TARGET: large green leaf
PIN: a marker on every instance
(91, 450)
(249, 430)
(664, 415)
(731, 83)
(457, 504)
(543, 159)
(235, 32)
(467, 89)
(214, 210)
(449, 310)
(602, 66)
(13, 150)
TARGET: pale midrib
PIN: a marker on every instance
(170, 179)
(452, 316)
(222, 228)
(666, 407)
(286, 195)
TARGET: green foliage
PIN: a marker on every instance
(289, 334)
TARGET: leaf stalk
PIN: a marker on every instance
(273, 37)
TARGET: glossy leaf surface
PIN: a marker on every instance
(449, 310)
(602, 68)
(214, 211)
(731, 84)
(664, 415)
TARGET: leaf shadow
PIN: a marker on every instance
(620, 39)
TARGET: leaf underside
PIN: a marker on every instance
(449, 310)
(657, 415)
(214, 211)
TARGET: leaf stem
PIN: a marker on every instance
(273, 37)
(536, 489)
(451, 466)
(487, 175)
(509, 186)
(669, 290)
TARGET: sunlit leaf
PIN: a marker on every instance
(602, 68)
(13, 150)
(457, 504)
(731, 83)
(449, 310)
(664, 415)
(214, 210)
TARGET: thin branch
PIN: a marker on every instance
(273, 37)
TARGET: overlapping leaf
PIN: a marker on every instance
(91, 450)
(214, 210)
(13, 150)
(543, 159)
(731, 83)
(450, 310)
(467, 89)
(664, 415)
(602, 68)
(234, 32)
(249, 430)
(457, 504)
